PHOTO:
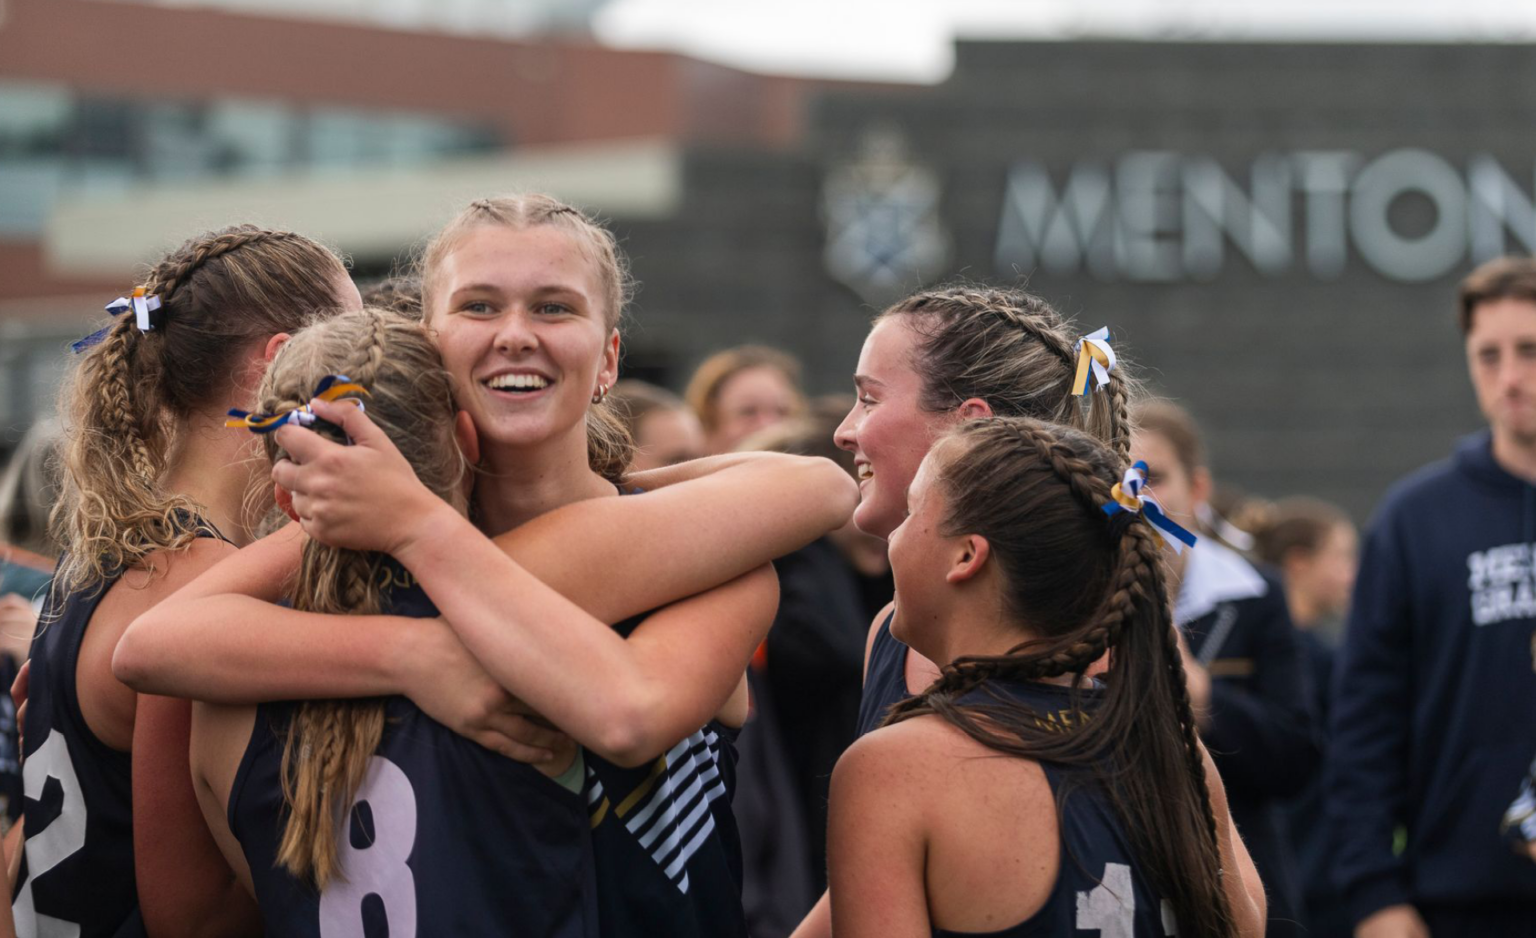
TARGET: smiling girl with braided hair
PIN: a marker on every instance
(1109, 815)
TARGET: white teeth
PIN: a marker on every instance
(865, 472)
(522, 382)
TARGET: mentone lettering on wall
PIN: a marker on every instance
(1160, 216)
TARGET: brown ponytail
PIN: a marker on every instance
(1086, 585)
(130, 394)
(410, 398)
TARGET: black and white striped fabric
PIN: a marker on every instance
(665, 841)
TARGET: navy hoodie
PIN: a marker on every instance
(1434, 707)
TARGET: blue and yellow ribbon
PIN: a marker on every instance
(1095, 359)
(1129, 496)
(141, 304)
(330, 388)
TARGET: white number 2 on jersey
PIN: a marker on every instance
(379, 868)
(50, 846)
(1110, 907)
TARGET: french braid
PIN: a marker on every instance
(131, 393)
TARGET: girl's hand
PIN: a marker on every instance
(364, 496)
(448, 685)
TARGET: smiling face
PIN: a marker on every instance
(887, 432)
(519, 318)
(920, 555)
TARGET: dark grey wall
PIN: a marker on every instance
(1305, 384)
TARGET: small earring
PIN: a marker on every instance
(600, 393)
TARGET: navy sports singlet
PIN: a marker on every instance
(1099, 888)
(77, 874)
(885, 678)
(445, 837)
(668, 852)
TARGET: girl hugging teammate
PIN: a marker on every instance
(495, 842)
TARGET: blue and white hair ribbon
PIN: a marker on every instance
(1094, 359)
(330, 388)
(1130, 496)
(140, 304)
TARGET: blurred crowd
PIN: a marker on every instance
(1262, 601)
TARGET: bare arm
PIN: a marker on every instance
(185, 885)
(645, 550)
(222, 639)
(638, 696)
(1245, 892)
(210, 641)
(876, 846)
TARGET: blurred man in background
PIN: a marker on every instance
(1434, 711)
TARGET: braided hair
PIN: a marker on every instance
(410, 398)
(131, 394)
(1086, 584)
(1011, 349)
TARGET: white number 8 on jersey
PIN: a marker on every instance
(379, 868)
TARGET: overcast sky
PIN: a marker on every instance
(909, 40)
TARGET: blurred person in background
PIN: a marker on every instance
(1246, 666)
(28, 489)
(664, 429)
(1315, 547)
(741, 390)
(1434, 693)
(28, 553)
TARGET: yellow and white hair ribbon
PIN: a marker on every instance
(1094, 359)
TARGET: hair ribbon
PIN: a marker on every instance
(1094, 359)
(1130, 495)
(330, 388)
(142, 303)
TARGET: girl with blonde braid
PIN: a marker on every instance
(153, 492)
(1107, 817)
